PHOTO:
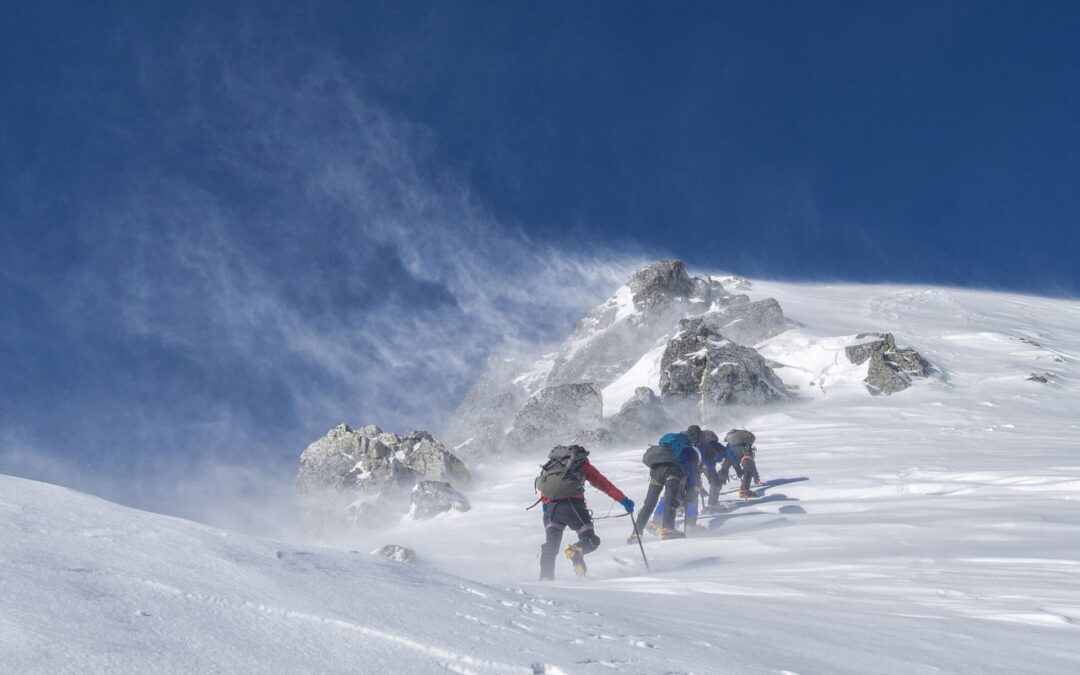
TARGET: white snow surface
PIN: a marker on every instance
(933, 531)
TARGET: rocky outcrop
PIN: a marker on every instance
(642, 416)
(507, 409)
(557, 416)
(700, 363)
(748, 323)
(395, 553)
(358, 477)
(431, 497)
(891, 368)
(613, 336)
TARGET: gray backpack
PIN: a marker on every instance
(658, 454)
(741, 442)
(564, 474)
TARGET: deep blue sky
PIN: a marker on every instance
(226, 228)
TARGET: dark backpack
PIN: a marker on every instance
(739, 436)
(564, 473)
(658, 454)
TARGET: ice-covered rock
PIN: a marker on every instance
(642, 416)
(356, 477)
(431, 497)
(395, 553)
(748, 323)
(556, 416)
(614, 335)
(701, 364)
(891, 368)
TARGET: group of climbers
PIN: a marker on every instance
(675, 464)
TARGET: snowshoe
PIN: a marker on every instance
(573, 551)
(666, 533)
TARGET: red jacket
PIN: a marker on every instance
(598, 481)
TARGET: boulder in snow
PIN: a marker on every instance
(891, 368)
(701, 364)
(431, 497)
(395, 553)
(360, 477)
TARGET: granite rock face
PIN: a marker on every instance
(614, 335)
(642, 416)
(557, 416)
(360, 477)
(701, 364)
(431, 497)
(748, 323)
(891, 368)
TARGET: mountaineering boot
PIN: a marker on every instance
(573, 551)
(666, 533)
(747, 494)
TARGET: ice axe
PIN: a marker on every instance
(637, 533)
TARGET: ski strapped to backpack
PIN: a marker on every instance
(563, 475)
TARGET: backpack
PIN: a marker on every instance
(666, 451)
(741, 437)
(738, 436)
(563, 475)
(657, 455)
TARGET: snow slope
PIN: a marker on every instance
(936, 530)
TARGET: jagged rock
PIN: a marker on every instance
(358, 477)
(883, 378)
(556, 415)
(1035, 377)
(700, 363)
(642, 416)
(432, 497)
(428, 458)
(396, 553)
(613, 336)
(592, 438)
(748, 323)
(891, 368)
(660, 282)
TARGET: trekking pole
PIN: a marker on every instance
(640, 545)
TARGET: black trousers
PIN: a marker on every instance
(666, 478)
(559, 515)
(749, 471)
(716, 483)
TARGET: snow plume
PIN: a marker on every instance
(273, 254)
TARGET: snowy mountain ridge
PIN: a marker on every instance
(932, 531)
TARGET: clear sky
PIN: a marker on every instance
(228, 226)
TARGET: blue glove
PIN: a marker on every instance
(628, 504)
